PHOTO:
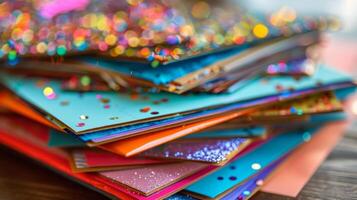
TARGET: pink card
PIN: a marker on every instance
(90, 159)
(150, 179)
(171, 189)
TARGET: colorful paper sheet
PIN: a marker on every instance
(51, 157)
(58, 139)
(11, 102)
(291, 176)
(90, 160)
(113, 109)
(135, 145)
(150, 179)
(246, 132)
(22, 141)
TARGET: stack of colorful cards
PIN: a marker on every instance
(164, 99)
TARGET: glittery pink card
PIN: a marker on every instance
(150, 179)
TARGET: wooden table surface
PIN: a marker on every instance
(24, 179)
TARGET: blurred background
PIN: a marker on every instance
(340, 46)
(344, 9)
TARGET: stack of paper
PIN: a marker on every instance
(168, 99)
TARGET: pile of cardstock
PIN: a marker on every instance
(162, 99)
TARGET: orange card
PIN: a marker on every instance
(11, 102)
(137, 144)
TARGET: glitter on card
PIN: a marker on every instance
(149, 179)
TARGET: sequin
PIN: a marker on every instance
(306, 136)
(64, 103)
(104, 100)
(164, 100)
(259, 182)
(49, 93)
(83, 117)
(256, 166)
(246, 193)
(145, 109)
(80, 124)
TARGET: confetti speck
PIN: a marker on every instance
(256, 166)
(80, 124)
(83, 117)
(64, 103)
(145, 109)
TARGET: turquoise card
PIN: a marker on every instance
(249, 164)
(163, 74)
(255, 131)
(64, 140)
(84, 112)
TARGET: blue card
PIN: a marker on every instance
(163, 74)
(249, 164)
(255, 131)
(64, 140)
(85, 112)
